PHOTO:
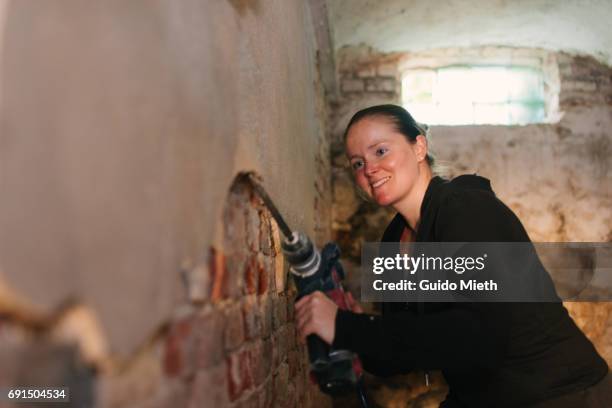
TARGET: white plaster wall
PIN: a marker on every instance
(577, 26)
(558, 182)
(122, 125)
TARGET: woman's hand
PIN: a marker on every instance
(316, 314)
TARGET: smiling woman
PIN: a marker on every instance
(389, 156)
(491, 354)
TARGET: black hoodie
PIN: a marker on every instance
(491, 354)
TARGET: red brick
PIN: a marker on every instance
(264, 275)
(293, 363)
(290, 308)
(266, 316)
(236, 261)
(251, 275)
(291, 336)
(279, 347)
(252, 228)
(209, 388)
(266, 394)
(279, 311)
(258, 364)
(234, 327)
(251, 315)
(283, 341)
(210, 332)
(238, 374)
(299, 378)
(249, 400)
(218, 275)
(179, 349)
(267, 360)
(282, 387)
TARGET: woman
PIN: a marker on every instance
(491, 354)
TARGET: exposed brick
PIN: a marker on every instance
(234, 327)
(279, 345)
(290, 308)
(218, 274)
(266, 316)
(352, 85)
(298, 377)
(252, 228)
(279, 311)
(291, 336)
(251, 274)
(269, 267)
(366, 72)
(209, 388)
(386, 70)
(238, 374)
(236, 261)
(268, 354)
(209, 334)
(294, 363)
(251, 314)
(180, 349)
(266, 394)
(380, 85)
(258, 364)
(580, 86)
(282, 387)
(264, 275)
(250, 400)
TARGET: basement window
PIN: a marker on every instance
(468, 95)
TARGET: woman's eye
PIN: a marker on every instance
(381, 151)
(357, 164)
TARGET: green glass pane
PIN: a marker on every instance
(525, 85)
(525, 113)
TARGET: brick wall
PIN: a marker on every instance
(240, 348)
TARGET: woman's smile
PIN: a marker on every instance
(376, 184)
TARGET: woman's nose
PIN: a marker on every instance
(370, 168)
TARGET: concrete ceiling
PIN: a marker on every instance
(575, 26)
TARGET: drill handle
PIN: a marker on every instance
(318, 353)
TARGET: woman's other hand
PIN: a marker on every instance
(316, 314)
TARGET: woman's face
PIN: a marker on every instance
(384, 162)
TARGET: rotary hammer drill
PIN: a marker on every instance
(336, 371)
